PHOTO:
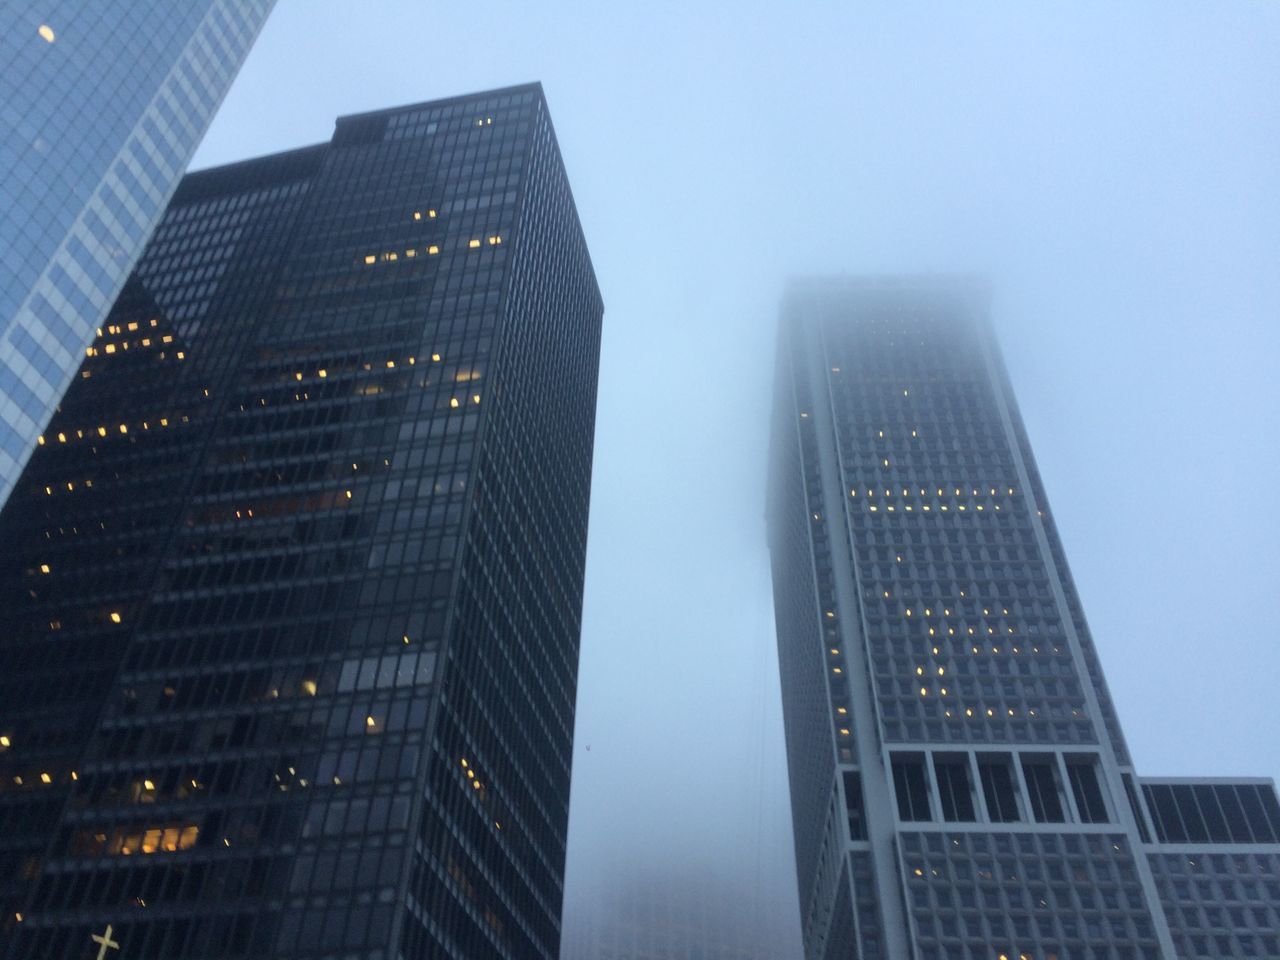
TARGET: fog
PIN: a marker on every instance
(1110, 168)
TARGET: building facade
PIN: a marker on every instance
(101, 107)
(292, 585)
(961, 789)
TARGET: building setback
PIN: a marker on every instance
(292, 587)
(961, 789)
(101, 107)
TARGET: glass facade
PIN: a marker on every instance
(101, 107)
(961, 788)
(290, 624)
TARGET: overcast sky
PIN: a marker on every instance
(1110, 167)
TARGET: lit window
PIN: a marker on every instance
(370, 258)
(44, 568)
(46, 33)
(473, 243)
(115, 616)
(433, 250)
(495, 240)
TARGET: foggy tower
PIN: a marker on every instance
(292, 588)
(101, 107)
(961, 789)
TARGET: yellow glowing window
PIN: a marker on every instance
(473, 243)
(433, 250)
(370, 258)
(309, 687)
(133, 325)
(46, 33)
(431, 214)
(44, 568)
(40, 440)
(475, 398)
(453, 401)
(166, 339)
(435, 357)
(417, 214)
(411, 252)
(146, 341)
(115, 616)
(110, 348)
(322, 373)
(495, 240)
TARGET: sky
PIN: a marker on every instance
(1109, 168)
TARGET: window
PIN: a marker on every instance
(912, 787)
(954, 793)
(853, 803)
(1083, 774)
(1042, 790)
(996, 773)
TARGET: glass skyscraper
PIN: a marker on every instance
(102, 105)
(292, 586)
(961, 789)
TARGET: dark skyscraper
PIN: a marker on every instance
(960, 786)
(101, 107)
(291, 590)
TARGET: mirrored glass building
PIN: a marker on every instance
(102, 105)
(292, 585)
(961, 788)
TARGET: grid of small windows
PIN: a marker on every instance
(105, 107)
(1075, 609)
(965, 636)
(264, 511)
(487, 881)
(1221, 905)
(1034, 896)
